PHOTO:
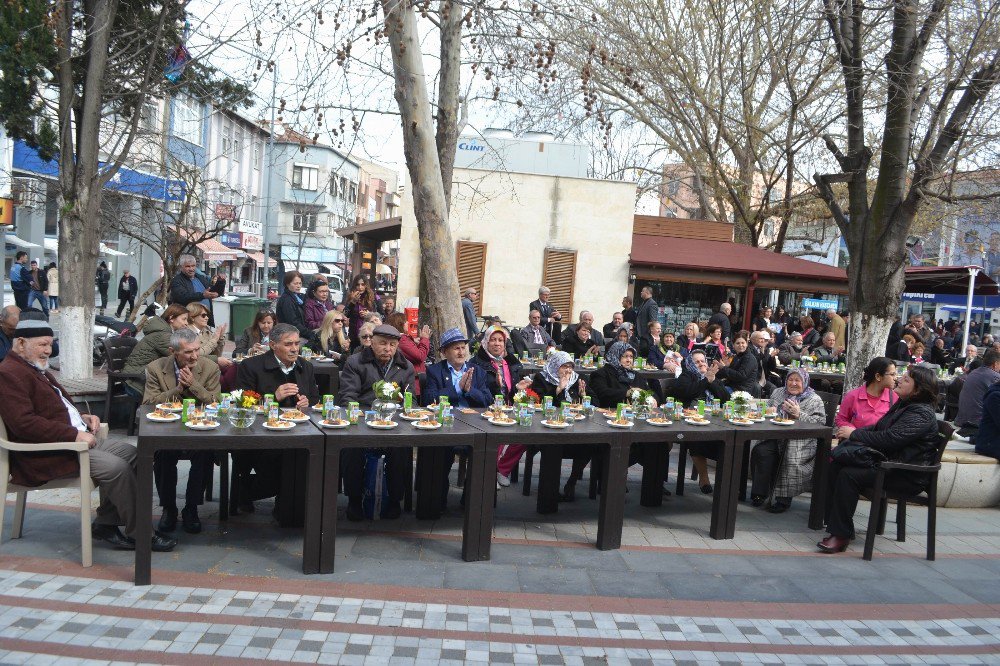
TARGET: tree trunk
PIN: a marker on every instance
(448, 101)
(78, 243)
(865, 340)
(440, 304)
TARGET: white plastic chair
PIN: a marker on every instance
(83, 481)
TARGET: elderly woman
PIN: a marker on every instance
(502, 373)
(365, 336)
(330, 340)
(698, 381)
(908, 433)
(257, 335)
(688, 339)
(622, 334)
(290, 308)
(317, 304)
(666, 354)
(559, 381)
(865, 405)
(212, 342)
(743, 371)
(784, 469)
(155, 343)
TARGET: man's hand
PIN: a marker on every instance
(465, 383)
(93, 422)
(224, 362)
(556, 315)
(710, 372)
(286, 390)
(86, 437)
(185, 377)
(302, 404)
(523, 385)
(594, 349)
(209, 295)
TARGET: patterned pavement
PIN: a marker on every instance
(401, 594)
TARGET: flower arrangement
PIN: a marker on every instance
(742, 399)
(386, 391)
(526, 397)
(244, 399)
(638, 396)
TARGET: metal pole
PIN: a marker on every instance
(973, 271)
(270, 169)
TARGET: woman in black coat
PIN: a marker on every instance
(558, 380)
(609, 385)
(291, 308)
(743, 370)
(908, 433)
(699, 381)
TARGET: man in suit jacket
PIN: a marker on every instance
(550, 316)
(969, 362)
(182, 374)
(36, 409)
(536, 337)
(284, 374)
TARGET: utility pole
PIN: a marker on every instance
(270, 168)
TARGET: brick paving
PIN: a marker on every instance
(401, 593)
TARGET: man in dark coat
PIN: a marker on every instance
(381, 361)
(36, 410)
(722, 319)
(647, 311)
(127, 291)
(190, 287)
(551, 317)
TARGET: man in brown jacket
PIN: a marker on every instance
(36, 409)
(172, 378)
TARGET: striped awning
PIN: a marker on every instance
(213, 250)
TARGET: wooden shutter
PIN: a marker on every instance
(558, 274)
(471, 260)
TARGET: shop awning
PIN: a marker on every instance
(730, 264)
(949, 280)
(258, 257)
(213, 250)
(379, 231)
(305, 267)
(19, 242)
(52, 245)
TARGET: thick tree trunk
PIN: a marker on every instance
(78, 243)
(440, 305)
(866, 340)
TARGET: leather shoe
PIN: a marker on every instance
(757, 500)
(833, 544)
(355, 512)
(161, 543)
(190, 520)
(569, 492)
(391, 511)
(707, 488)
(168, 520)
(113, 535)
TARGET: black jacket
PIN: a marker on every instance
(572, 343)
(765, 362)
(332, 345)
(742, 374)
(546, 310)
(544, 388)
(689, 389)
(289, 311)
(263, 375)
(182, 291)
(482, 359)
(723, 321)
(607, 388)
(908, 433)
(360, 374)
(133, 287)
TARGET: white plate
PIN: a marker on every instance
(557, 426)
(419, 425)
(322, 359)
(691, 421)
(403, 416)
(382, 427)
(285, 427)
(660, 425)
(345, 424)
(303, 419)
(503, 423)
(782, 423)
(167, 419)
(742, 423)
(618, 425)
(163, 406)
(202, 427)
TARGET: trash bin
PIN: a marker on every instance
(242, 313)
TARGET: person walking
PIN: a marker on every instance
(52, 274)
(127, 288)
(102, 279)
(39, 288)
(20, 280)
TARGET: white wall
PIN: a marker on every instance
(518, 216)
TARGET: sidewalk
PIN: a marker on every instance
(401, 593)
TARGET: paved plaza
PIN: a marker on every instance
(402, 594)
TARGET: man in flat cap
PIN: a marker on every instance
(381, 361)
(36, 409)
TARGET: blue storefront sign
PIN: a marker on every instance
(127, 181)
(818, 304)
(231, 239)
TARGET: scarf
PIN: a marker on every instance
(551, 370)
(614, 356)
(691, 368)
(804, 374)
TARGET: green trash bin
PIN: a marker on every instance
(242, 312)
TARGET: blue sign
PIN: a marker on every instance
(231, 239)
(125, 180)
(818, 304)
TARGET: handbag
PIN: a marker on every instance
(857, 455)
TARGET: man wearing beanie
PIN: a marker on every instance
(36, 409)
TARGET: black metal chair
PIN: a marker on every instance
(117, 350)
(880, 497)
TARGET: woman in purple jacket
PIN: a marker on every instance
(317, 304)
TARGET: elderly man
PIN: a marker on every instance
(535, 336)
(9, 317)
(617, 319)
(587, 322)
(970, 400)
(722, 319)
(189, 286)
(792, 349)
(766, 355)
(838, 327)
(469, 297)
(381, 361)
(969, 362)
(551, 317)
(182, 374)
(830, 351)
(283, 374)
(36, 409)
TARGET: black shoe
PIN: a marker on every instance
(780, 505)
(190, 520)
(391, 511)
(168, 520)
(666, 491)
(112, 535)
(707, 488)
(355, 512)
(161, 543)
(569, 492)
(757, 500)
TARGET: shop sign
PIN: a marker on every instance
(251, 242)
(251, 227)
(230, 239)
(225, 211)
(818, 304)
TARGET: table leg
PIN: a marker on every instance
(549, 469)
(614, 474)
(740, 446)
(328, 517)
(313, 528)
(224, 487)
(480, 488)
(821, 470)
(723, 489)
(655, 458)
(144, 518)
(430, 470)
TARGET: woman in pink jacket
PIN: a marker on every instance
(865, 405)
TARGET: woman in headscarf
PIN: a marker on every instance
(503, 371)
(698, 381)
(558, 379)
(783, 469)
(610, 384)
(622, 334)
(666, 354)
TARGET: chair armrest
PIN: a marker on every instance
(47, 446)
(911, 468)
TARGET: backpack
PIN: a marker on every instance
(375, 492)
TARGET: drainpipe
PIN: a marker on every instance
(748, 309)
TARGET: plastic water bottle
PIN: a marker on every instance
(447, 416)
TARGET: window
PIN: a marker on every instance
(303, 219)
(673, 187)
(305, 177)
(558, 274)
(471, 260)
(333, 185)
(187, 120)
(238, 144)
(150, 118)
(227, 138)
(258, 149)
(343, 188)
(353, 198)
